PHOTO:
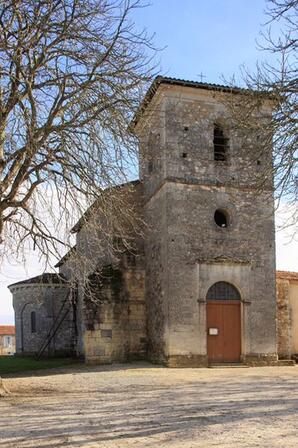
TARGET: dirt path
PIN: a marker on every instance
(143, 406)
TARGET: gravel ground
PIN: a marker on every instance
(140, 405)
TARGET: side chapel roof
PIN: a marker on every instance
(88, 212)
(66, 257)
(45, 278)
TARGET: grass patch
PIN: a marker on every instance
(15, 364)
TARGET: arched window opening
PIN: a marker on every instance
(33, 322)
(223, 291)
(221, 218)
(220, 143)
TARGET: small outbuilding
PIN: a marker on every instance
(7, 340)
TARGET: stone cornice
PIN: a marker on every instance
(205, 184)
(37, 285)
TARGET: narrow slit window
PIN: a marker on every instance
(33, 322)
(220, 143)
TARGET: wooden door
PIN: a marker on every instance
(223, 331)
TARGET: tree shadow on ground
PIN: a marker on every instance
(78, 366)
(179, 412)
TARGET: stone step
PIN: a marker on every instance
(286, 362)
(227, 365)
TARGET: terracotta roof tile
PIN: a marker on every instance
(7, 330)
(289, 275)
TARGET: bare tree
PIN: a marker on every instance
(277, 82)
(72, 73)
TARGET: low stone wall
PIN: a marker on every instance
(260, 359)
(186, 361)
(284, 324)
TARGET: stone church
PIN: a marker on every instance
(199, 288)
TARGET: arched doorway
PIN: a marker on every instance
(223, 323)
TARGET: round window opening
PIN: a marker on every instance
(221, 218)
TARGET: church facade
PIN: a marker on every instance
(199, 287)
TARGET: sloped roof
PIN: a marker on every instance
(183, 83)
(200, 85)
(287, 275)
(66, 256)
(86, 215)
(45, 278)
(7, 330)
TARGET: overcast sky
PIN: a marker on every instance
(213, 38)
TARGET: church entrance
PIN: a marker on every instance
(223, 323)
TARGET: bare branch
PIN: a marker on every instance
(72, 73)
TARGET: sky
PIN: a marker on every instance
(211, 38)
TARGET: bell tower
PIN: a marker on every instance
(210, 251)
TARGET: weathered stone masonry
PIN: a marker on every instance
(186, 252)
(152, 303)
(287, 314)
(47, 296)
(115, 323)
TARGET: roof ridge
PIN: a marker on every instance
(287, 274)
(44, 278)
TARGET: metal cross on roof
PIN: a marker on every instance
(201, 75)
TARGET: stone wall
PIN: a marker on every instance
(114, 318)
(284, 336)
(294, 309)
(287, 314)
(156, 243)
(112, 325)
